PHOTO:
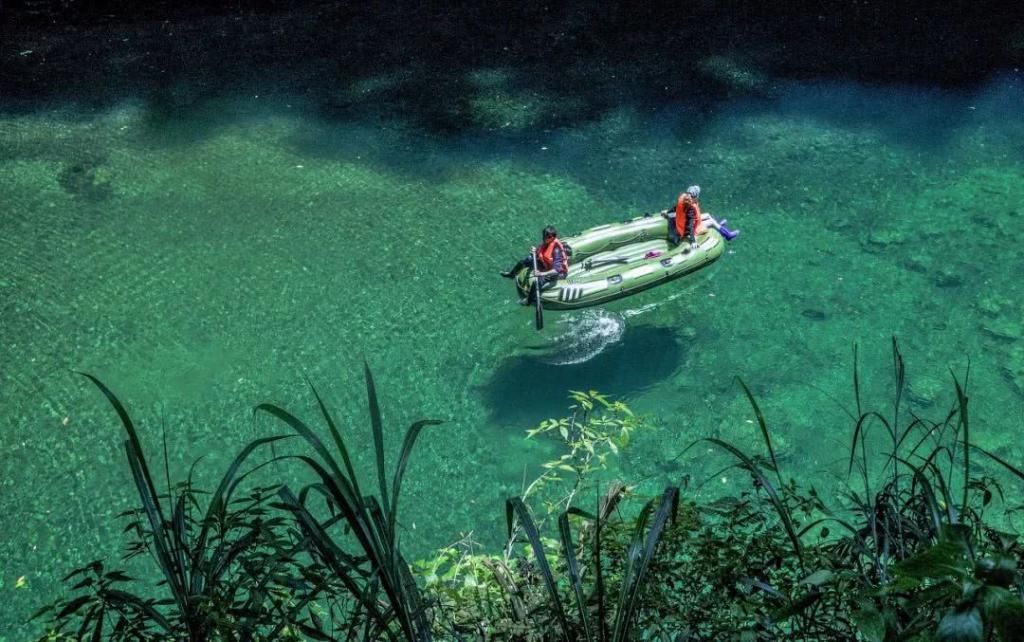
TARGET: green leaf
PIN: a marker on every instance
(73, 606)
(119, 576)
(1005, 611)
(817, 578)
(998, 569)
(870, 622)
(796, 607)
(941, 560)
(961, 625)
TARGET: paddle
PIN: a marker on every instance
(539, 318)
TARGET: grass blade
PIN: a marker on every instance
(179, 539)
(1008, 466)
(129, 427)
(218, 501)
(929, 495)
(403, 460)
(859, 434)
(763, 426)
(313, 440)
(515, 507)
(338, 442)
(961, 398)
(332, 556)
(637, 572)
(856, 382)
(569, 550)
(602, 613)
(773, 496)
(378, 436)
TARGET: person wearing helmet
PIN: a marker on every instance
(685, 223)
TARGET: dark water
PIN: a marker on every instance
(204, 246)
(523, 388)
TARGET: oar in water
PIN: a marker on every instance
(539, 318)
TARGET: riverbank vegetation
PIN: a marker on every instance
(915, 547)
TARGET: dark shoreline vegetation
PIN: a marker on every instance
(179, 57)
(913, 550)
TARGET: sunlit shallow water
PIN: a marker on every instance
(203, 262)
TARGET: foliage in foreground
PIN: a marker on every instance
(908, 552)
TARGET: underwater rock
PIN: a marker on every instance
(948, 278)
(500, 109)
(737, 77)
(916, 263)
(992, 304)
(814, 315)
(886, 238)
(1013, 368)
(84, 180)
(1004, 329)
(924, 391)
(688, 332)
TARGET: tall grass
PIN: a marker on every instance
(227, 569)
(377, 574)
(912, 556)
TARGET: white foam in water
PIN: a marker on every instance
(585, 335)
(633, 312)
(683, 289)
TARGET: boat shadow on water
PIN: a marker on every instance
(530, 387)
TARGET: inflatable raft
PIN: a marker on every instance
(613, 261)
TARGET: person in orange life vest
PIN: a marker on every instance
(552, 259)
(685, 224)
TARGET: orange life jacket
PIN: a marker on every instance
(681, 213)
(546, 256)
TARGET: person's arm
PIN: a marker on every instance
(536, 262)
(558, 261)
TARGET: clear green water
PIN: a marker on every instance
(203, 262)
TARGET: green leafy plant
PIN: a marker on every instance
(510, 592)
(226, 568)
(596, 428)
(910, 552)
(600, 613)
(376, 576)
(913, 557)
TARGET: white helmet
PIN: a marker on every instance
(693, 191)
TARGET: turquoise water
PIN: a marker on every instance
(203, 260)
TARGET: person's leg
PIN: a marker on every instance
(549, 281)
(546, 282)
(526, 262)
(673, 234)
